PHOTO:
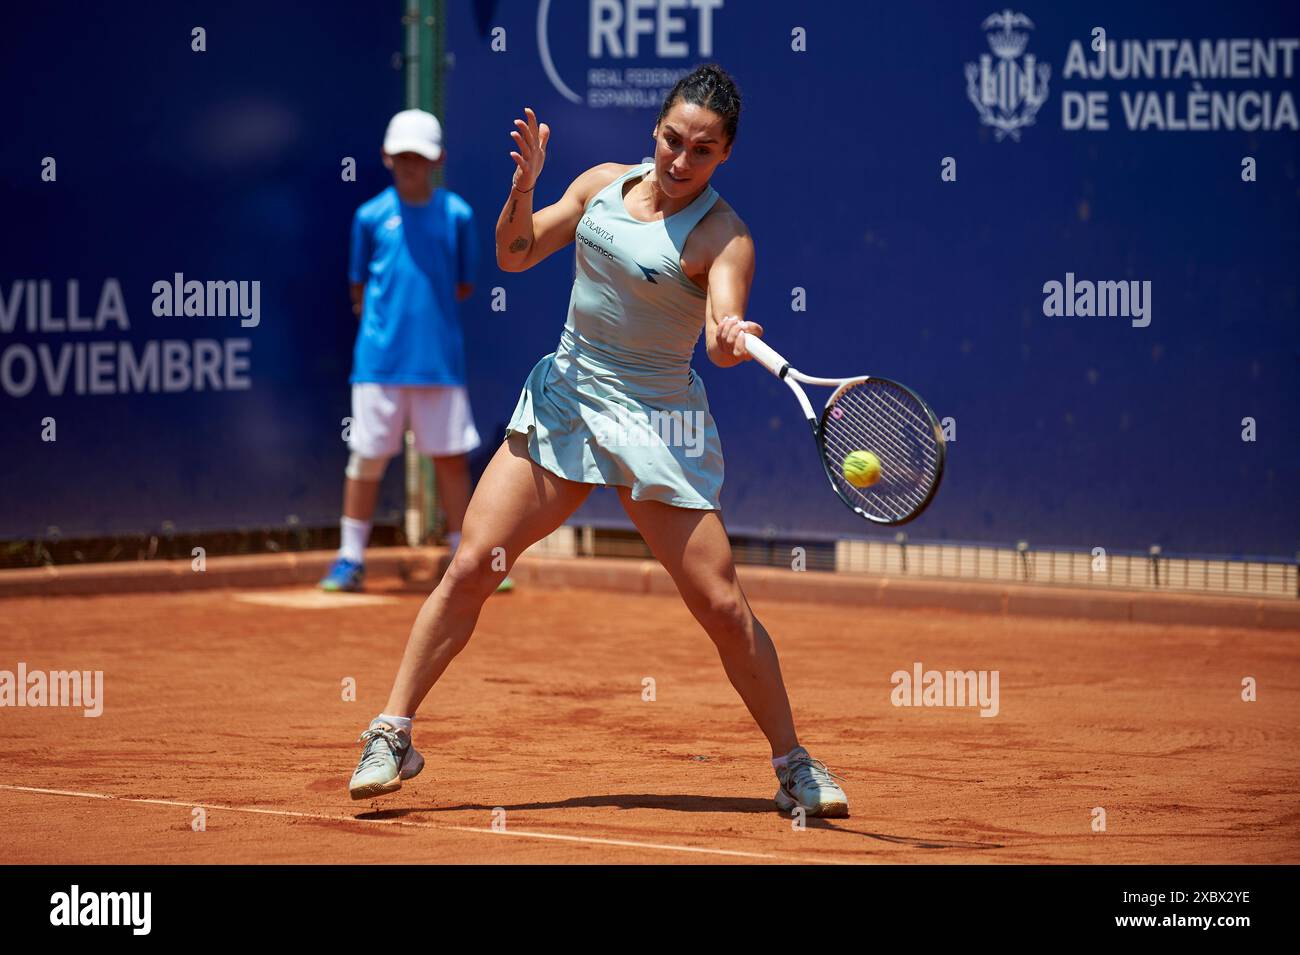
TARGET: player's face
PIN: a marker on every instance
(411, 171)
(690, 142)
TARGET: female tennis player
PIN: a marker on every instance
(660, 257)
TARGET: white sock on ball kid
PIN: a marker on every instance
(353, 535)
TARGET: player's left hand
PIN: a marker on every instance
(729, 335)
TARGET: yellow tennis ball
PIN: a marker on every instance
(861, 468)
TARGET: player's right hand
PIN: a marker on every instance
(530, 141)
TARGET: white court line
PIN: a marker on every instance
(313, 599)
(422, 825)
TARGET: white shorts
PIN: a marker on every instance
(438, 414)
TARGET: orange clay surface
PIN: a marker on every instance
(215, 701)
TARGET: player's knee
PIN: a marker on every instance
(472, 575)
(726, 615)
(365, 469)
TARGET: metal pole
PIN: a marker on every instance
(413, 523)
(432, 17)
(422, 23)
(411, 62)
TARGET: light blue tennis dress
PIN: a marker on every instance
(617, 402)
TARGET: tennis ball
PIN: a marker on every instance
(861, 468)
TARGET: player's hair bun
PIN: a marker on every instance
(712, 87)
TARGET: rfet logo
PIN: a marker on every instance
(634, 51)
(1007, 91)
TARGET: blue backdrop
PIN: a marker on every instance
(220, 165)
(1080, 431)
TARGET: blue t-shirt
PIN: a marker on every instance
(411, 258)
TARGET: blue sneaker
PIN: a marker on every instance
(806, 782)
(345, 575)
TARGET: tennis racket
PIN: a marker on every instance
(880, 417)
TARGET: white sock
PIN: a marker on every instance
(396, 722)
(453, 540)
(779, 762)
(353, 535)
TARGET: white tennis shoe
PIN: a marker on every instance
(808, 783)
(387, 759)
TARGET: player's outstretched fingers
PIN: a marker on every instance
(522, 140)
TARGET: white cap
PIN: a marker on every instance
(414, 131)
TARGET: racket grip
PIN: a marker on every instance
(765, 354)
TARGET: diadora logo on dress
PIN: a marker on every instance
(1007, 91)
(393, 222)
(649, 273)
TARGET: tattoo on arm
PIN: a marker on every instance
(513, 204)
(519, 244)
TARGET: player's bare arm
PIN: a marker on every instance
(721, 253)
(358, 291)
(525, 237)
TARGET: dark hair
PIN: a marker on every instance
(712, 87)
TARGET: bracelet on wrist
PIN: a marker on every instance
(522, 192)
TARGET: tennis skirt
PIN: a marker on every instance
(595, 429)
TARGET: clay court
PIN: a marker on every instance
(231, 700)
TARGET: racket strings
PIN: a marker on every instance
(901, 489)
(888, 421)
(896, 494)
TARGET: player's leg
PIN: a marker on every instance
(515, 504)
(692, 545)
(378, 423)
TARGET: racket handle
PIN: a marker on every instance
(765, 355)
